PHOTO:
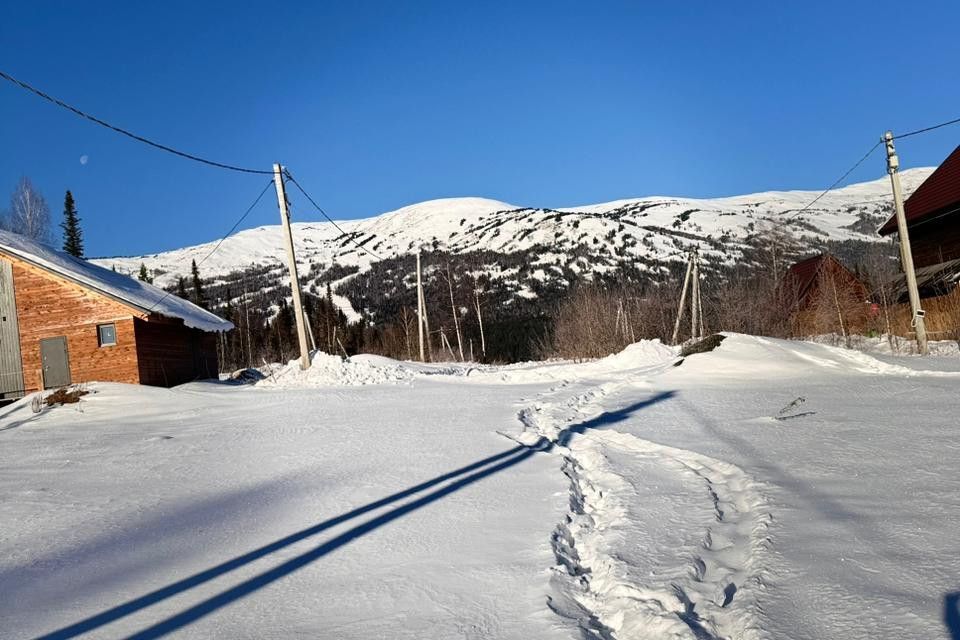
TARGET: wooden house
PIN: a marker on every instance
(64, 320)
(933, 223)
(822, 296)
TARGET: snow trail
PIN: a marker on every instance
(615, 575)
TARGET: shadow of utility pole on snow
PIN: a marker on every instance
(951, 614)
(459, 478)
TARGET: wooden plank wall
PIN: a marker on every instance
(50, 306)
(170, 353)
(936, 241)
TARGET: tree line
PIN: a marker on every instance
(491, 306)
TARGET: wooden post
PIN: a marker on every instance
(906, 252)
(420, 309)
(313, 338)
(683, 299)
(444, 341)
(246, 314)
(483, 340)
(453, 309)
(695, 299)
(292, 264)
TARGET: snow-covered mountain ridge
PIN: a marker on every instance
(650, 229)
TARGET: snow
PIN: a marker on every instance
(766, 489)
(475, 224)
(328, 370)
(141, 295)
(889, 344)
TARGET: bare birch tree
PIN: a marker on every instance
(29, 213)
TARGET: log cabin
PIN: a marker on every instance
(64, 320)
(933, 224)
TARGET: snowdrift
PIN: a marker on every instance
(328, 370)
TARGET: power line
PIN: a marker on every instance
(220, 242)
(329, 219)
(838, 180)
(925, 129)
(129, 134)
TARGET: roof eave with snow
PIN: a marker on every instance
(140, 296)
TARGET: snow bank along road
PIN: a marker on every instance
(624, 498)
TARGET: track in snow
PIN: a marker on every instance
(659, 541)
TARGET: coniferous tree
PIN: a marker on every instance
(197, 284)
(144, 275)
(182, 288)
(72, 234)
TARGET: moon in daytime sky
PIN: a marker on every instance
(84, 159)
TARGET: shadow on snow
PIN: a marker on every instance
(459, 478)
(951, 614)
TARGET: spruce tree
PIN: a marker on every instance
(182, 288)
(72, 235)
(197, 284)
(144, 275)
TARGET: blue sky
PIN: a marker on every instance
(375, 105)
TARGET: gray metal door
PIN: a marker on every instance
(11, 366)
(56, 362)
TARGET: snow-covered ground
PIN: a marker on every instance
(767, 489)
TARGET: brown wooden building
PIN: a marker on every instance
(64, 320)
(933, 223)
(820, 295)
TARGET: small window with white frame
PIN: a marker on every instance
(107, 334)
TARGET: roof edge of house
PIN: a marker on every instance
(86, 285)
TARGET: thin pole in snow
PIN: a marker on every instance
(683, 299)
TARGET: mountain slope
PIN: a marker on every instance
(585, 240)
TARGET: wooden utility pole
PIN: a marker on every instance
(292, 264)
(444, 341)
(313, 338)
(483, 340)
(453, 309)
(246, 316)
(906, 254)
(683, 298)
(421, 311)
(695, 298)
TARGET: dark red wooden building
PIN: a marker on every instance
(933, 223)
(820, 290)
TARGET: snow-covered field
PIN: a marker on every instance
(767, 489)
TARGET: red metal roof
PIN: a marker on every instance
(939, 193)
(802, 278)
(802, 275)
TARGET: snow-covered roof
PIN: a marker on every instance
(141, 295)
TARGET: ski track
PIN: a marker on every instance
(715, 595)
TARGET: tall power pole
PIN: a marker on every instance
(292, 264)
(906, 254)
(420, 308)
(483, 339)
(695, 324)
(683, 299)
